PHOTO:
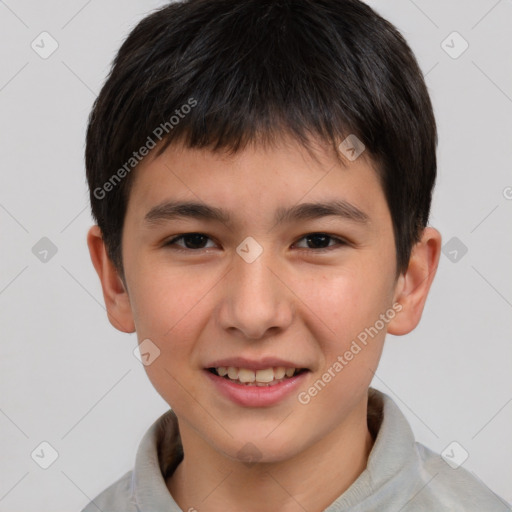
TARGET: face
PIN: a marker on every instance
(258, 289)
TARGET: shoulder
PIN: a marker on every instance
(405, 475)
(453, 488)
(115, 498)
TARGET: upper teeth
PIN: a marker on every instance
(247, 375)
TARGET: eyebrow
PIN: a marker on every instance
(170, 210)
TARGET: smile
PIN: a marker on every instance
(264, 377)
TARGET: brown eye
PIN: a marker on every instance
(320, 241)
(192, 241)
(316, 242)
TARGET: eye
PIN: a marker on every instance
(191, 240)
(196, 241)
(322, 239)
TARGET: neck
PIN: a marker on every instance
(207, 480)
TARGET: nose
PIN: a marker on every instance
(255, 300)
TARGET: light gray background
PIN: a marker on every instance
(69, 378)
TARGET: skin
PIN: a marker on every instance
(293, 302)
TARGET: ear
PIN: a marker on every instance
(115, 295)
(413, 286)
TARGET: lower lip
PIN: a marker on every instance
(256, 396)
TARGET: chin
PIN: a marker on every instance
(252, 450)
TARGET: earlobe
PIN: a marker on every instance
(115, 295)
(412, 287)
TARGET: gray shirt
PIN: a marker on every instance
(401, 474)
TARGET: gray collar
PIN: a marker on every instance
(160, 452)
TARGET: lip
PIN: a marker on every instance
(256, 396)
(251, 364)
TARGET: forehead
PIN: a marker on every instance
(286, 179)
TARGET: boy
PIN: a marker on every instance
(258, 129)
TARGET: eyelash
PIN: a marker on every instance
(340, 241)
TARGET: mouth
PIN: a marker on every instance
(261, 378)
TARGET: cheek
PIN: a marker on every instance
(162, 299)
(172, 307)
(341, 302)
(169, 311)
(344, 308)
